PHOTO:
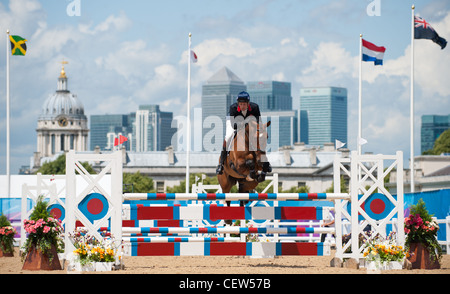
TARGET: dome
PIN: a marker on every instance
(62, 102)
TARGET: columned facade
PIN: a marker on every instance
(62, 125)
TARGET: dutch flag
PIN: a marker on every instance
(371, 52)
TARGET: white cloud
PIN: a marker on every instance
(112, 22)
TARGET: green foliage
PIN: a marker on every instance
(421, 210)
(4, 222)
(140, 183)
(40, 210)
(441, 145)
(58, 167)
(344, 187)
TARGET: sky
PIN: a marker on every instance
(123, 54)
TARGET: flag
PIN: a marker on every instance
(339, 144)
(362, 141)
(423, 30)
(120, 140)
(371, 52)
(193, 57)
(18, 46)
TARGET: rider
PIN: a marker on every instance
(243, 107)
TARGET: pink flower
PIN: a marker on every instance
(46, 229)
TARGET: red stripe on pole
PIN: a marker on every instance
(145, 213)
(312, 196)
(263, 196)
(237, 248)
(223, 212)
(161, 196)
(296, 213)
(299, 248)
(211, 196)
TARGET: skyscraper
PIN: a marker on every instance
(432, 127)
(106, 127)
(270, 95)
(218, 93)
(324, 110)
(152, 130)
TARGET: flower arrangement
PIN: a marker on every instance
(7, 233)
(43, 231)
(88, 249)
(382, 250)
(421, 228)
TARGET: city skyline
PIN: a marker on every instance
(122, 55)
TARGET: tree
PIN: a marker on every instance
(58, 167)
(139, 183)
(441, 145)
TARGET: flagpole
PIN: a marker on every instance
(412, 102)
(358, 143)
(188, 124)
(8, 174)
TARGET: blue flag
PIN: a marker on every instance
(423, 30)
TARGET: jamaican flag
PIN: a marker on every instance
(18, 46)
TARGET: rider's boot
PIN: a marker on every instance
(223, 156)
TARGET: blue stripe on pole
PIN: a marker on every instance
(207, 248)
(248, 248)
(176, 212)
(176, 249)
(319, 213)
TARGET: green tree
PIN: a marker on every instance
(137, 183)
(58, 167)
(441, 145)
(344, 186)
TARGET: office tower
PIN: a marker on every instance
(270, 95)
(324, 109)
(152, 130)
(105, 128)
(218, 93)
(282, 130)
(432, 127)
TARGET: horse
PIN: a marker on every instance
(243, 163)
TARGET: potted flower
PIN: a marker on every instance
(384, 254)
(83, 244)
(91, 254)
(421, 239)
(7, 233)
(44, 242)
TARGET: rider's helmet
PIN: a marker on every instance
(243, 97)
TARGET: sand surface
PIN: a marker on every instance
(226, 264)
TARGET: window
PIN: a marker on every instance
(160, 187)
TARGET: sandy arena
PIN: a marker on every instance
(226, 264)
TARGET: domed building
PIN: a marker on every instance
(62, 125)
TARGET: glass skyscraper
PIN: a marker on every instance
(432, 127)
(152, 130)
(270, 95)
(218, 93)
(324, 111)
(102, 125)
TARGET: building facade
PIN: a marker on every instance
(432, 127)
(105, 128)
(152, 130)
(270, 95)
(62, 124)
(218, 93)
(324, 111)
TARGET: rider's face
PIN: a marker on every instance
(243, 106)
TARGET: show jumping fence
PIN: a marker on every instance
(168, 229)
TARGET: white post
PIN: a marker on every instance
(188, 123)
(354, 191)
(412, 103)
(8, 156)
(360, 97)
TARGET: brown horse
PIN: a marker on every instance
(244, 163)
